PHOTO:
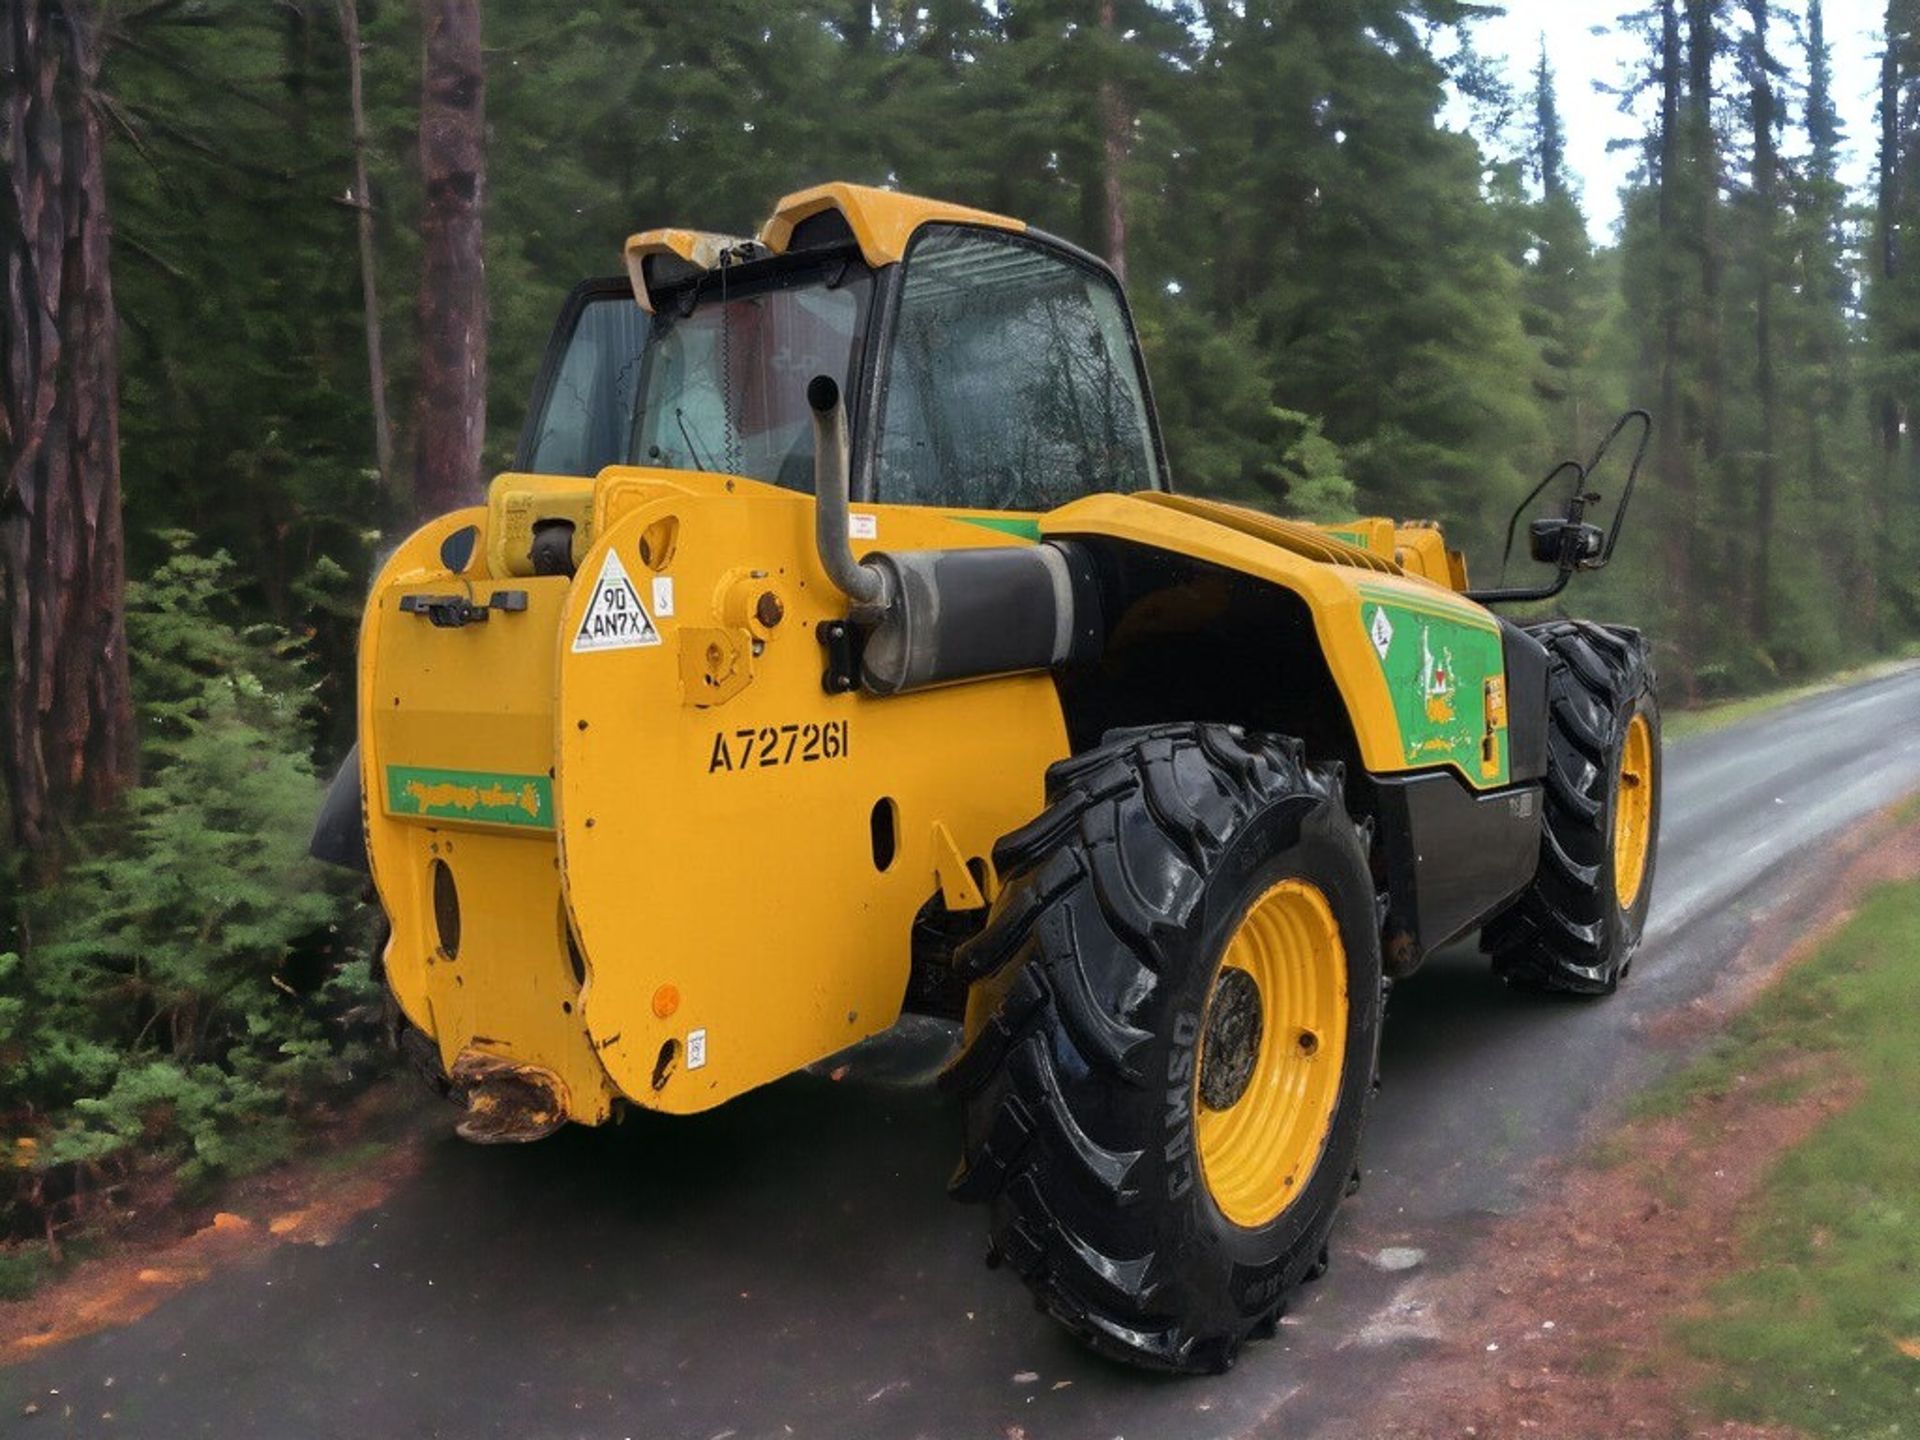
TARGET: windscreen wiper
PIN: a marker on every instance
(693, 451)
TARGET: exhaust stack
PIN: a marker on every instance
(865, 585)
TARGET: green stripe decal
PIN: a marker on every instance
(1020, 525)
(485, 797)
(1439, 609)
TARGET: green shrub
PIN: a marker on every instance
(153, 1017)
(23, 1269)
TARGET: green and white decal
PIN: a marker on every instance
(482, 797)
(1438, 660)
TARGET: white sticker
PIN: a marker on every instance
(863, 527)
(1382, 631)
(663, 595)
(696, 1049)
(615, 618)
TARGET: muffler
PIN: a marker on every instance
(930, 617)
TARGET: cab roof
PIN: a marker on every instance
(881, 223)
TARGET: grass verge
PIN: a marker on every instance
(1678, 724)
(1820, 1327)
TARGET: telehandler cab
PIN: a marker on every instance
(839, 647)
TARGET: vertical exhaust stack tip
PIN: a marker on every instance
(865, 585)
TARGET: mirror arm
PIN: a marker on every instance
(1513, 521)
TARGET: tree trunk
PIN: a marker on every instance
(1675, 461)
(69, 741)
(1116, 138)
(452, 416)
(1765, 203)
(369, 281)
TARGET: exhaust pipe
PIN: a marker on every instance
(865, 585)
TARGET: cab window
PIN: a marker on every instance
(1011, 382)
(584, 421)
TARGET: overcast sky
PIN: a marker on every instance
(1579, 57)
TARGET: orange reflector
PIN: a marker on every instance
(666, 1000)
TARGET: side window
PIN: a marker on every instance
(1011, 381)
(585, 422)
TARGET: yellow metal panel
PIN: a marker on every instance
(883, 221)
(471, 711)
(718, 808)
(1373, 533)
(1315, 543)
(1422, 550)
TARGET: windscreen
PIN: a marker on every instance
(724, 384)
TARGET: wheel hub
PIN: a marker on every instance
(1234, 1023)
(1272, 1053)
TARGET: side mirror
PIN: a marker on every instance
(1556, 540)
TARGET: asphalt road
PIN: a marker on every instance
(789, 1265)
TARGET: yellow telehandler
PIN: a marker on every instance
(839, 647)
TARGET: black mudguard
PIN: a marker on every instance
(339, 832)
(1453, 858)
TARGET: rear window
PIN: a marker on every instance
(585, 422)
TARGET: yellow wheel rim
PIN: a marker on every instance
(1272, 1050)
(1633, 812)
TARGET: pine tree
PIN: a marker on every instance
(1560, 315)
(1349, 235)
(1763, 239)
(1820, 375)
(1704, 402)
(1674, 455)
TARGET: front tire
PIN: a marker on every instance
(1173, 1039)
(1576, 927)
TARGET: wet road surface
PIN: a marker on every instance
(789, 1265)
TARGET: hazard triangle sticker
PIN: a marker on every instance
(615, 618)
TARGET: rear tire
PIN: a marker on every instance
(1575, 928)
(1103, 1055)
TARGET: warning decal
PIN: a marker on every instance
(615, 618)
(1382, 631)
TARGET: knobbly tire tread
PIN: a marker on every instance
(1102, 912)
(1567, 932)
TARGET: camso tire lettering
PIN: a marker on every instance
(1179, 1151)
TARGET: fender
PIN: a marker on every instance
(1419, 671)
